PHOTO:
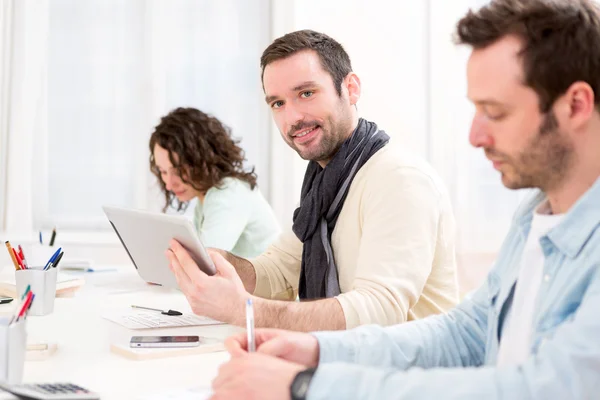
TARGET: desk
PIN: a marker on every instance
(83, 337)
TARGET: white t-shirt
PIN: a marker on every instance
(515, 343)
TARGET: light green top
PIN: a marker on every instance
(236, 218)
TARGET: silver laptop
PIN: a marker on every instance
(146, 235)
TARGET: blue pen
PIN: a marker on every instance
(41, 238)
(52, 259)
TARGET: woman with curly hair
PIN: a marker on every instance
(192, 155)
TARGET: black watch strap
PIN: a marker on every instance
(300, 384)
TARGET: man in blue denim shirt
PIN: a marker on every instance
(533, 330)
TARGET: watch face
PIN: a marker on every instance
(301, 384)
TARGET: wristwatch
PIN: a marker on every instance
(300, 384)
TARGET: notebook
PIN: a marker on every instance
(66, 285)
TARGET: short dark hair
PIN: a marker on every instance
(561, 41)
(332, 55)
(206, 152)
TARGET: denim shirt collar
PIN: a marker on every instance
(575, 229)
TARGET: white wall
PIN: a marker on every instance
(388, 46)
(414, 87)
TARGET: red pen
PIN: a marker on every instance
(22, 254)
(25, 306)
(18, 257)
(30, 304)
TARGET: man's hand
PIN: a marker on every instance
(299, 348)
(221, 296)
(255, 376)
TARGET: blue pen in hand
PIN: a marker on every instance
(52, 259)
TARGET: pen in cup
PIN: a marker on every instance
(27, 289)
(55, 263)
(22, 255)
(52, 259)
(250, 326)
(12, 255)
(21, 309)
(18, 258)
(52, 237)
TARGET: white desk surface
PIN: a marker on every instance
(83, 337)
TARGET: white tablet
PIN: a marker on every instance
(146, 235)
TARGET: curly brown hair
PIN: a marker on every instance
(202, 150)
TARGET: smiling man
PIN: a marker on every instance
(373, 238)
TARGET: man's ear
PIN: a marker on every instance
(578, 105)
(352, 82)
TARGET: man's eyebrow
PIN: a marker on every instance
(269, 99)
(486, 102)
(304, 85)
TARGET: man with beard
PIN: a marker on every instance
(532, 330)
(373, 237)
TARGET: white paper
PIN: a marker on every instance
(181, 394)
(152, 320)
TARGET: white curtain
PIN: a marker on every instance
(6, 33)
(92, 81)
(22, 108)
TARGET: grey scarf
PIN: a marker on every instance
(323, 193)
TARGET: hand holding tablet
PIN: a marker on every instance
(146, 235)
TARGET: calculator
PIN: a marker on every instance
(49, 391)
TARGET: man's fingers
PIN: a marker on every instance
(224, 268)
(183, 280)
(235, 347)
(276, 347)
(187, 263)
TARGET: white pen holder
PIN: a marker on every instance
(13, 345)
(42, 284)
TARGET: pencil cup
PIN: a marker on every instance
(43, 286)
(13, 344)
